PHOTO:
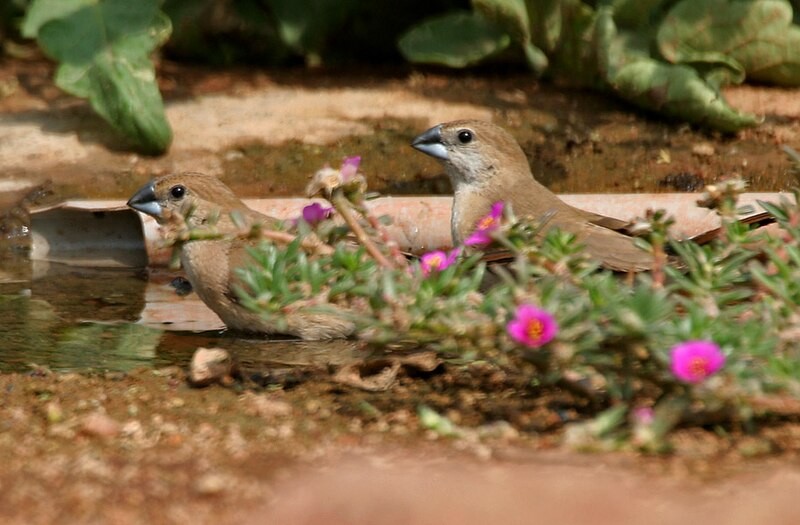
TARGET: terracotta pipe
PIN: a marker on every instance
(421, 223)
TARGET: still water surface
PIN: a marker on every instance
(71, 318)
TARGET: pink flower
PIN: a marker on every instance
(350, 167)
(437, 260)
(694, 361)
(316, 213)
(643, 415)
(484, 228)
(532, 326)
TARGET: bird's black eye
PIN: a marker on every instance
(465, 136)
(178, 191)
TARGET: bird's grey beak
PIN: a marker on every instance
(145, 201)
(431, 144)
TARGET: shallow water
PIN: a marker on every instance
(70, 318)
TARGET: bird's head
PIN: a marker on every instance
(472, 151)
(201, 196)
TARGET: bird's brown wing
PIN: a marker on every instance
(756, 221)
(244, 217)
(617, 254)
(611, 223)
(305, 323)
(616, 251)
(239, 258)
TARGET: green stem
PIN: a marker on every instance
(342, 205)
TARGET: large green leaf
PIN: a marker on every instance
(456, 39)
(638, 14)
(678, 91)
(575, 59)
(674, 90)
(42, 11)
(103, 47)
(752, 37)
(611, 50)
(512, 16)
(546, 22)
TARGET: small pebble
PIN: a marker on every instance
(210, 365)
(132, 428)
(54, 412)
(261, 405)
(176, 402)
(100, 425)
(704, 149)
(210, 484)
(233, 155)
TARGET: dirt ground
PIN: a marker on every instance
(264, 133)
(294, 446)
(146, 448)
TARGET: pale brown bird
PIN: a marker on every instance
(210, 264)
(486, 165)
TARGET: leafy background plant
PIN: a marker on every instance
(103, 50)
(671, 57)
(665, 56)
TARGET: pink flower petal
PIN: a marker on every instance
(437, 260)
(432, 261)
(350, 167)
(316, 213)
(643, 415)
(478, 238)
(497, 209)
(487, 224)
(694, 361)
(532, 326)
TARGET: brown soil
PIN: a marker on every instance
(146, 448)
(265, 133)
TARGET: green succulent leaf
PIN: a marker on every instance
(752, 37)
(456, 39)
(103, 48)
(42, 11)
(678, 91)
(576, 57)
(639, 14)
(512, 16)
(672, 89)
(546, 23)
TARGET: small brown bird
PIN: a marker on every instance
(485, 165)
(210, 264)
